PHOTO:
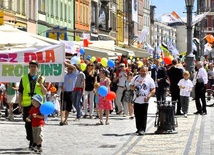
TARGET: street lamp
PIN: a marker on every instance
(189, 55)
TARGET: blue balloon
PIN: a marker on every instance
(82, 51)
(47, 108)
(111, 63)
(89, 57)
(153, 66)
(103, 91)
(74, 60)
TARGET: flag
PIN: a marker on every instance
(207, 47)
(160, 52)
(169, 18)
(69, 46)
(86, 43)
(172, 49)
(174, 14)
(149, 49)
(194, 47)
(209, 38)
(143, 34)
(198, 18)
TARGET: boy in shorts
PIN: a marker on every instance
(37, 120)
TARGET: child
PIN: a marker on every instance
(37, 120)
(54, 98)
(185, 86)
(127, 97)
(96, 98)
(103, 103)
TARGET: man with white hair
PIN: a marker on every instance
(200, 89)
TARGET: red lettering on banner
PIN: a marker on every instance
(39, 56)
(29, 56)
(50, 57)
(10, 57)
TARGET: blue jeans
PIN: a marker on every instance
(76, 100)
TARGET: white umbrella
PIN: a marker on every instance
(12, 38)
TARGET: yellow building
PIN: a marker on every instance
(120, 23)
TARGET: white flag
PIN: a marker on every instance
(69, 46)
(143, 34)
(149, 49)
(198, 18)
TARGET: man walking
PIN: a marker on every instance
(30, 85)
(144, 88)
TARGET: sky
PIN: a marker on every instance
(167, 6)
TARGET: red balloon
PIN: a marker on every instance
(111, 95)
(127, 70)
(119, 58)
(167, 60)
(99, 59)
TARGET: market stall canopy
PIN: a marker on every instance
(12, 38)
(124, 51)
(140, 53)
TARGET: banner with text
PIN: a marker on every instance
(15, 63)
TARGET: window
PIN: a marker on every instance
(42, 5)
(61, 10)
(81, 15)
(18, 6)
(57, 8)
(76, 12)
(52, 8)
(32, 14)
(1, 3)
(87, 15)
(10, 3)
(65, 11)
(23, 7)
(69, 12)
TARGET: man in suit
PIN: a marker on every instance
(159, 75)
(175, 74)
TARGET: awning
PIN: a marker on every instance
(124, 51)
(101, 53)
(139, 53)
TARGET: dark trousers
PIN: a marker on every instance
(200, 94)
(160, 95)
(176, 97)
(28, 126)
(140, 111)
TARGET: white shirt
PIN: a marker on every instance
(144, 85)
(122, 79)
(188, 86)
(202, 73)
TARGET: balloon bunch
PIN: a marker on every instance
(103, 91)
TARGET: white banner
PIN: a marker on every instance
(15, 63)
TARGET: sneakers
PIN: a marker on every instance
(38, 150)
(63, 123)
(99, 123)
(141, 133)
(76, 119)
(11, 118)
(185, 115)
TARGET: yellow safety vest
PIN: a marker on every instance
(26, 98)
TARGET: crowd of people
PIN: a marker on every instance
(134, 84)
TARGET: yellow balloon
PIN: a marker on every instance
(137, 59)
(104, 62)
(171, 57)
(83, 66)
(140, 63)
(160, 60)
(78, 61)
(130, 57)
(93, 59)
